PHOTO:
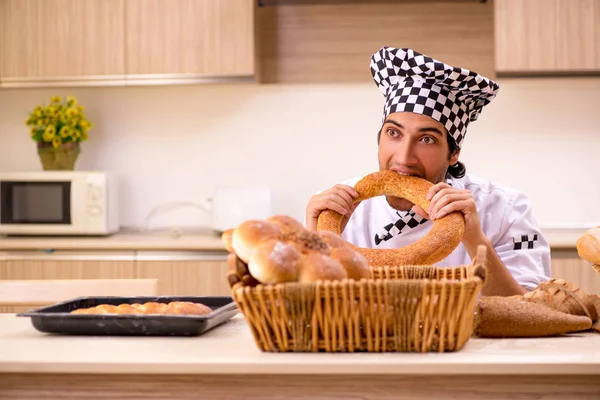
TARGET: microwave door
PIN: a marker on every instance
(29, 202)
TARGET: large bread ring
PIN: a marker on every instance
(437, 244)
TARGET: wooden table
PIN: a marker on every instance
(225, 364)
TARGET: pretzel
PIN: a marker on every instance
(445, 235)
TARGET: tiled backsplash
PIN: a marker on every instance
(171, 144)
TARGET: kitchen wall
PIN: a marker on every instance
(175, 144)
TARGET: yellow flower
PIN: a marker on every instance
(56, 142)
(71, 101)
(33, 131)
(55, 99)
(64, 118)
(70, 113)
(37, 112)
(75, 133)
(84, 135)
(49, 133)
(64, 131)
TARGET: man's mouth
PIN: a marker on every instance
(406, 173)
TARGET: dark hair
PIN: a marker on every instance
(457, 170)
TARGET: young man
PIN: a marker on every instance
(428, 106)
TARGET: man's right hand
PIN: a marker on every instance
(339, 198)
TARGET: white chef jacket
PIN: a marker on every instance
(506, 219)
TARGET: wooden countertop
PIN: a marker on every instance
(196, 241)
(230, 349)
(193, 241)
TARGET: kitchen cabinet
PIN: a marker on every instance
(66, 265)
(547, 36)
(124, 42)
(53, 42)
(186, 273)
(188, 39)
(567, 265)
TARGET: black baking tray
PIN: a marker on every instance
(57, 318)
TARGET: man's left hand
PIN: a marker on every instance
(444, 199)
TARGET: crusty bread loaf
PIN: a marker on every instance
(445, 235)
(503, 317)
(566, 297)
(588, 245)
(279, 249)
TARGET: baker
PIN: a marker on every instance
(428, 107)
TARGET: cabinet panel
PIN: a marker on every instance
(186, 273)
(569, 266)
(546, 35)
(201, 37)
(66, 265)
(61, 40)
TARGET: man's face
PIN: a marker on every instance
(414, 144)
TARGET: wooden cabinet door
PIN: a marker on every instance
(193, 38)
(567, 265)
(66, 265)
(185, 273)
(61, 41)
(547, 35)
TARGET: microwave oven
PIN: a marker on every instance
(58, 203)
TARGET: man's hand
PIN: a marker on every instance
(445, 199)
(339, 198)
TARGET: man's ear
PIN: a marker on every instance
(454, 157)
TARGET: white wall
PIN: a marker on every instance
(176, 143)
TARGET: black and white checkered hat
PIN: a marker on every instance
(413, 82)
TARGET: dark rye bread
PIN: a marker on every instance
(504, 317)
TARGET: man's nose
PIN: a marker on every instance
(405, 153)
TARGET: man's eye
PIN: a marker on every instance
(428, 140)
(392, 133)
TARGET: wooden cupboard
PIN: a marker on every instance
(54, 42)
(547, 36)
(171, 39)
(45, 43)
(185, 273)
(66, 265)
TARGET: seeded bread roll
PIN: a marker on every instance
(279, 249)
(445, 235)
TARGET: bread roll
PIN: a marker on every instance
(588, 245)
(226, 239)
(316, 267)
(333, 239)
(275, 261)
(249, 234)
(356, 264)
(286, 223)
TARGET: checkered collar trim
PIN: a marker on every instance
(414, 82)
(407, 220)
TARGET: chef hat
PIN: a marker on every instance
(413, 82)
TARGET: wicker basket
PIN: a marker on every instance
(400, 309)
